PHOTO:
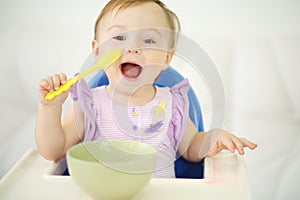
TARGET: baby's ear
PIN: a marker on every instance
(95, 47)
(169, 57)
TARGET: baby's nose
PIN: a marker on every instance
(134, 46)
(134, 51)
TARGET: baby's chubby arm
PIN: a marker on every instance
(197, 145)
(54, 136)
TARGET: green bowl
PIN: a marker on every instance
(111, 169)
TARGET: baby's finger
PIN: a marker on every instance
(44, 84)
(213, 151)
(229, 145)
(63, 78)
(239, 145)
(247, 143)
(56, 81)
(47, 84)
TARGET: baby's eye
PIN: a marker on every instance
(120, 38)
(149, 41)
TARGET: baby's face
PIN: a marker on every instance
(143, 34)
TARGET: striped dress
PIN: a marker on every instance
(160, 122)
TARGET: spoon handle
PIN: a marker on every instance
(64, 87)
(106, 59)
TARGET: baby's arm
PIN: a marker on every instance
(54, 136)
(194, 147)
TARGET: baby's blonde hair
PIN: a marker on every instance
(172, 19)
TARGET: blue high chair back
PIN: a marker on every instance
(169, 77)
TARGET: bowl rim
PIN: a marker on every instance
(68, 154)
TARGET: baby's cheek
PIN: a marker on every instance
(159, 57)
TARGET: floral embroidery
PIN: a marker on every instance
(135, 112)
(160, 108)
(154, 127)
(135, 127)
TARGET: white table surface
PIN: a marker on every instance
(225, 178)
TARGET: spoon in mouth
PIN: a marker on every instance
(106, 59)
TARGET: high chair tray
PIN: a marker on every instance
(225, 178)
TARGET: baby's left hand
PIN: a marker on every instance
(228, 141)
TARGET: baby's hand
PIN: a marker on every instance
(229, 142)
(50, 84)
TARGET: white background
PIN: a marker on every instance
(254, 44)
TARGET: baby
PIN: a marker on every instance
(130, 106)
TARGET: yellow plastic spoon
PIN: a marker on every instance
(106, 59)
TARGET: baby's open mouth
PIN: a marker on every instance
(131, 70)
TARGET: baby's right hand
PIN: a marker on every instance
(50, 84)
